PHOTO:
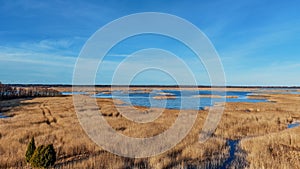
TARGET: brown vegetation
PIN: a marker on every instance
(261, 128)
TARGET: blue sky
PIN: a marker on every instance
(258, 41)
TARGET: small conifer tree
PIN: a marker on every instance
(49, 156)
(43, 157)
(30, 149)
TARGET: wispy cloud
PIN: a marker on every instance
(38, 53)
(36, 63)
(117, 55)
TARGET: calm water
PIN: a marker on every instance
(292, 125)
(186, 99)
(3, 116)
(233, 146)
(71, 93)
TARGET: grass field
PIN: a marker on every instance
(260, 128)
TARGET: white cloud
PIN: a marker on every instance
(24, 65)
(27, 56)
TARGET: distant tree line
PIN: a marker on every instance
(9, 92)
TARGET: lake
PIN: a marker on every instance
(176, 99)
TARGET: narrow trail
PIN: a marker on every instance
(49, 118)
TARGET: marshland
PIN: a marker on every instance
(259, 134)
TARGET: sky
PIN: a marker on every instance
(257, 41)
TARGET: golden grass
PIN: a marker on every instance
(261, 127)
(280, 150)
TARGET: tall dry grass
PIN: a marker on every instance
(261, 127)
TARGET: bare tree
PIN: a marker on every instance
(8, 92)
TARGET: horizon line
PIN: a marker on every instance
(122, 85)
